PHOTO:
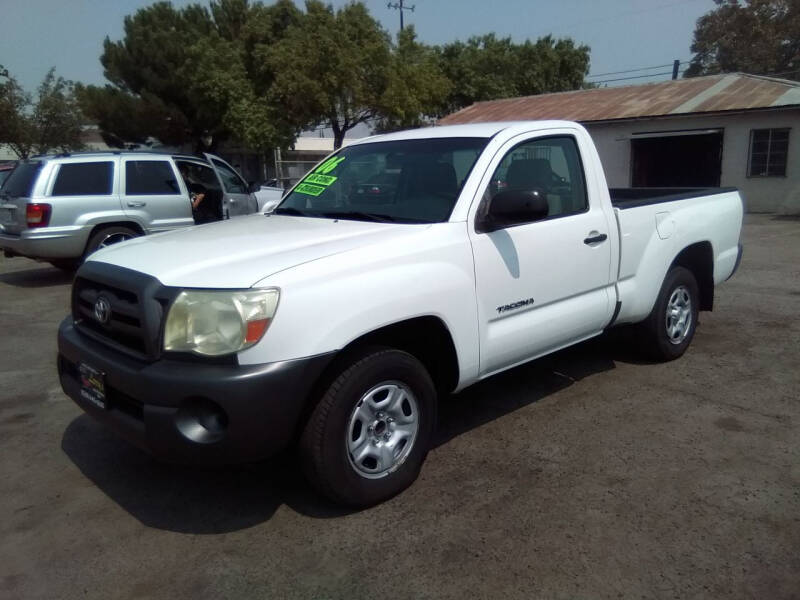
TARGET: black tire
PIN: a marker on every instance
(324, 449)
(104, 233)
(656, 340)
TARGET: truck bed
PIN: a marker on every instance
(623, 198)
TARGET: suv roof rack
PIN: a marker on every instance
(116, 153)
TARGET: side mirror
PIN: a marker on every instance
(514, 207)
(253, 187)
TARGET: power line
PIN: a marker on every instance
(634, 77)
(684, 62)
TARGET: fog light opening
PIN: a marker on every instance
(201, 420)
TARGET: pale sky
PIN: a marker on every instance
(623, 34)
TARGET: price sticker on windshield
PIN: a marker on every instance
(307, 188)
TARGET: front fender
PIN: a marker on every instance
(327, 303)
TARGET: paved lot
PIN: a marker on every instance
(587, 474)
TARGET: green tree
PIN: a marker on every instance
(331, 68)
(149, 93)
(228, 80)
(50, 121)
(417, 87)
(487, 68)
(180, 74)
(755, 36)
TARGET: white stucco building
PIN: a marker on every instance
(723, 130)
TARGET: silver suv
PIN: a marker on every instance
(62, 208)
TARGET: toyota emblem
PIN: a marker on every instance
(102, 310)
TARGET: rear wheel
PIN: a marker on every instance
(368, 436)
(669, 329)
(108, 236)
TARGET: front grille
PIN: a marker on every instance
(134, 305)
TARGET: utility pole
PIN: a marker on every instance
(401, 7)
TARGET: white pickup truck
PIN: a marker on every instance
(403, 267)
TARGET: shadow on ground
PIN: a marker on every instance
(37, 278)
(207, 501)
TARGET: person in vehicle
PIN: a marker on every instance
(203, 209)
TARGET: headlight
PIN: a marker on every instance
(218, 322)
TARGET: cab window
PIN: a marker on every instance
(551, 165)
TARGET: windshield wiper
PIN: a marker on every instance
(360, 216)
(288, 210)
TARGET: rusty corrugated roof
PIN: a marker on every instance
(713, 93)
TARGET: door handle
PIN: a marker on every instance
(137, 204)
(595, 238)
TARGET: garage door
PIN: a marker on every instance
(677, 159)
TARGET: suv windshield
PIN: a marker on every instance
(408, 181)
(20, 182)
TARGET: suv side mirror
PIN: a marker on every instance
(514, 207)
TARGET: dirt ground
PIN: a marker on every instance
(587, 474)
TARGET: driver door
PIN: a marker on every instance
(545, 284)
(236, 197)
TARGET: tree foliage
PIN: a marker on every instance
(261, 73)
(332, 67)
(50, 120)
(487, 68)
(755, 36)
(417, 88)
(180, 74)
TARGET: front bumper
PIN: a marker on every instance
(192, 411)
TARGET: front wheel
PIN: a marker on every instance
(670, 327)
(367, 438)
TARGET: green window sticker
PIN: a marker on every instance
(307, 188)
(329, 165)
(325, 180)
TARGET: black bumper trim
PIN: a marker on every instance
(148, 401)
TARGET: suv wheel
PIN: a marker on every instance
(106, 236)
(368, 437)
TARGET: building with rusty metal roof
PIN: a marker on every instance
(732, 130)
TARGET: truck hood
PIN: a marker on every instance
(239, 252)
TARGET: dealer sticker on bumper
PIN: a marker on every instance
(93, 385)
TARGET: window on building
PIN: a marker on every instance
(150, 178)
(84, 179)
(768, 151)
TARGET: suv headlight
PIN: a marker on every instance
(212, 323)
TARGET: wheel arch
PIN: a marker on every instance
(98, 226)
(427, 338)
(699, 259)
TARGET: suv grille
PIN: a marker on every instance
(120, 308)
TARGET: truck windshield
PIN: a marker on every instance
(407, 181)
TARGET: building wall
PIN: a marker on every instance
(762, 194)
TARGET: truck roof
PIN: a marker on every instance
(485, 130)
